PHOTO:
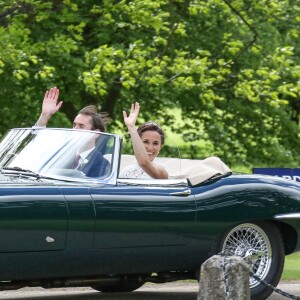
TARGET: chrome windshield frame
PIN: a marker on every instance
(23, 133)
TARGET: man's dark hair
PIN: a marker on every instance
(97, 121)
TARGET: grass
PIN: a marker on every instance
(292, 267)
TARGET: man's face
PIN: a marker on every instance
(82, 122)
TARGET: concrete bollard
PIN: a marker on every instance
(214, 285)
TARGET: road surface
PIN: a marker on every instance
(169, 291)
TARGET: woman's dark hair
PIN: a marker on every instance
(152, 126)
(97, 121)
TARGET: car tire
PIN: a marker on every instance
(123, 287)
(262, 247)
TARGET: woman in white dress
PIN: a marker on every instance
(147, 140)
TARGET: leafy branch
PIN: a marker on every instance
(255, 33)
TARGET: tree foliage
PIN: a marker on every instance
(231, 66)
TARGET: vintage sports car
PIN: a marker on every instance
(69, 223)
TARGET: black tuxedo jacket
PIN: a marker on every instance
(95, 165)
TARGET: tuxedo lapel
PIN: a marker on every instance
(94, 165)
(88, 162)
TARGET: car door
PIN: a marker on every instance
(142, 216)
(33, 217)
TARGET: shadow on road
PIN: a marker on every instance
(171, 291)
(138, 295)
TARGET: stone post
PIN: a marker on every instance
(233, 285)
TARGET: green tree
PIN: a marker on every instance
(232, 67)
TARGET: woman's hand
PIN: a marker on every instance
(134, 112)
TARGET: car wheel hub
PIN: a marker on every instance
(250, 242)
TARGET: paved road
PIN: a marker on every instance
(170, 291)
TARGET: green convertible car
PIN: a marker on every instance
(70, 223)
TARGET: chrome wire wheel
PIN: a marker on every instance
(252, 243)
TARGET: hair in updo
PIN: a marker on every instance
(151, 126)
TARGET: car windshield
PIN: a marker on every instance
(65, 152)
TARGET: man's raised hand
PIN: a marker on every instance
(50, 105)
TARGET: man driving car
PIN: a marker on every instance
(90, 161)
